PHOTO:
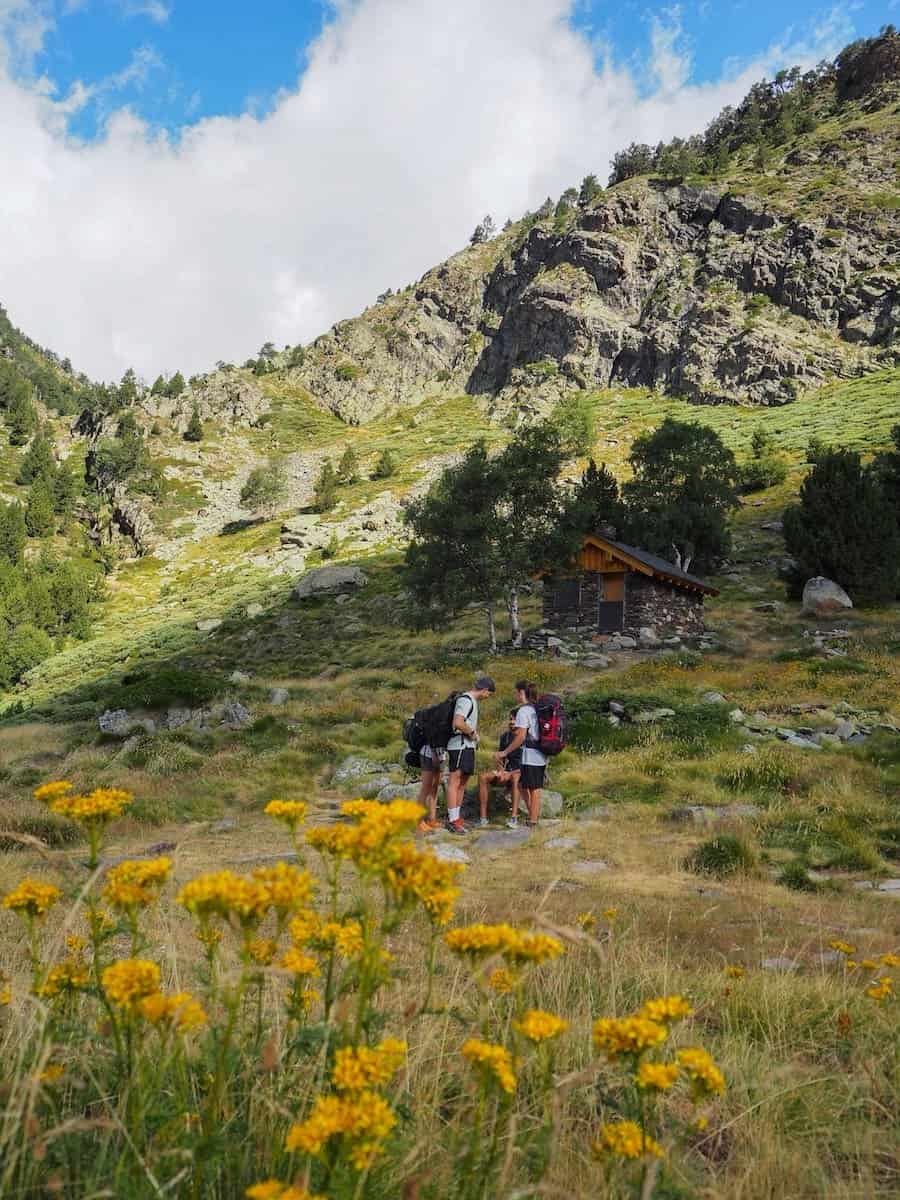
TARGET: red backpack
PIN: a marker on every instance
(553, 725)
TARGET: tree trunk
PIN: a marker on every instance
(492, 627)
(512, 603)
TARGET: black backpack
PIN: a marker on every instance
(432, 726)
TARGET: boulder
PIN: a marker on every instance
(326, 581)
(116, 722)
(589, 867)
(447, 852)
(209, 624)
(648, 637)
(562, 843)
(235, 716)
(823, 597)
(398, 791)
(551, 803)
(176, 718)
(355, 766)
(279, 696)
(713, 698)
(238, 677)
(253, 610)
(650, 716)
(370, 785)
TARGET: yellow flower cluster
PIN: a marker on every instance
(136, 882)
(666, 1009)
(493, 1061)
(70, 975)
(416, 875)
(359, 1068)
(627, 1035)
(48, 792)
(346, 937)
(890, 960)
(842, 947)
(365, 1119)
(502, 982)
(882, 990)
(291, 812)
(624, 1139)
(5, 990)
(539, 1026)
(370, 841)
(587, 921)
(32, 898)
(297, 962)
(274, 1189)
(734, 971)
(706, 1078)
(282, 887)
(262, 951)
(481, 941)
(181, 1011)
(97, 808)
(52, 1073)
(656, 1077)
(129, 980)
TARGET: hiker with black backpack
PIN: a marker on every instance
(461, 748)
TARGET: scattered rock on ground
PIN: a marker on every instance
(562, 843)
(238, 677)
(779, 963)
(209, 624)
(225, 825)
(254, 610)
(279, 696)
(398, 791)
(650, 716)
(325, 581)
(501, 839)
(590, 867)
(235, 716)
(713, 698)
(597, 812)
(448, 852)
(117, 722)
(551, 803)
(354, 766)
(370, 785)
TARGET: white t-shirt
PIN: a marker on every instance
(467, 708)
(526, 718)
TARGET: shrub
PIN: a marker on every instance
(385, 467)
(726, 854)
(265, 489)
(794, 875)
(761, 473)
(25, 647)
(164, 687)
(347, 372)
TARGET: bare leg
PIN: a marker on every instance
(456, 790)
(483, 784)
(515, 795)
(428, 792)
(534, 805)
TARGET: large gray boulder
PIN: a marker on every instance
(324, 581)
(356, 766)
(823, 597)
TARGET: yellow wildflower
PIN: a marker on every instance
(627, 1035)
(656, 1077)
(297, 963)
(480, 941)
(851, 965)
(346, 937)
(493, 1061)
(666, 1009)
(180, 1011)
(262, 950)
(534, 947)
(224, 894)
(286, 888)
(417, 875)
(890, 960)
(70, 975)
(869, 964)
(52, 1073)
(502, 981)
(733, 971)
(539, 1026)
(32, 898)
(97, 808)
(842, 947)
(587, 921)
(304, 926)
(5, 990)
(129, 980)
(705, 1076)
(274, 1189)
(625, 1140)
(701, 1124)
(75, 943)
(338, 841)
(610, 914)
(52, 791)
(365, 1119)
(304, 998)
(291, 812)
(358, 1068)
(135, 883)
(882, 990)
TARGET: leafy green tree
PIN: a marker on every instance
(297, 357)
(887, 469)
(844, 528)
(175, 386)
(590, 189)
(23, 648)
(21, 416)
(595, 501)
(683, 490)
(39, 511)
(128, 389)
(385, 467)
(348, 467)
(159, 386)
(576, 424)
(766, 468)
(266, 488)
(325, 491)
(38, 462)
(194, 431)
(13, 533)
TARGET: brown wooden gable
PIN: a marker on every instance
(594, 555)
(607, 557)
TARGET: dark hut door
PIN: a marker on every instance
(611, 605)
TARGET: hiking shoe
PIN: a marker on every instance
(483, 823)
(512, 823)
(457, 827)
(428, 826)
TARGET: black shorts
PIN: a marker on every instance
(532, 777)
(462, 760)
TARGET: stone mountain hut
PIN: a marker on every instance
(614, 588)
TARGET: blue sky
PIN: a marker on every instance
(175, 61)
(184, 180)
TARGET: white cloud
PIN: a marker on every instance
(411, 119)
(154, 9)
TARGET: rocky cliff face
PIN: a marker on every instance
(748, 290)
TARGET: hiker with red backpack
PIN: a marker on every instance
(540, 732)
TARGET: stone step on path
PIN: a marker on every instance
(884, 887)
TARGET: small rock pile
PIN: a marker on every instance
(583, 645)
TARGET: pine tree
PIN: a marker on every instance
(175, 386)
(590, 189)
(66, 487)
(265, 489)
(21, 417)
(39, 514)
(576, 424)
(38, 462)
(194, 431)
(348, 467)
(12, 533)
(844, 528)
(325, 492)
(385, 467)
(595, 502)
(159, 386)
